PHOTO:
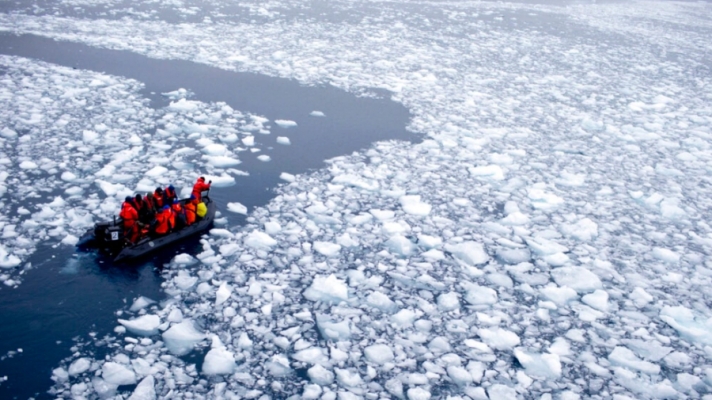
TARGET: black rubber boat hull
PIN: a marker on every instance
(148, 245)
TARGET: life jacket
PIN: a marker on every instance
(199, 187)
(130, 218)
(168, 195)
(162, 222)
(158, 199)
(190, 212)
(128, 214)
(171, 217)
(139, 205)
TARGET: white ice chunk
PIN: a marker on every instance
(695, 328)
(237, 208)
(327, 289)
(140, 303)
(449, 301)
(478, 295)
(470, 253)
(283, 140)
(666, 255)
(640, 297)
(145, 325)
(626, 358)
(79, 366)
(180, 338)
(316, 113)
(28, 165)
(498, 338)
(381, 301)
(418, 393)
(218, 361)
(260, 240)
(400, 245)
(584, 230)
(543, 366)
(156, 171)
(379, 354)
(348, 378)
(543, 200)
(578, 278)
(487, 172)
(327, 249)
(412, 205)
(404, 318)
(598, 300)
(320, 375)
(285, 123)
(287, 177)
(117, 374)
(331, 330)
(501, 392)
(145, 390)
(223, 293)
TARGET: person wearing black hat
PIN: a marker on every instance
(199, 187)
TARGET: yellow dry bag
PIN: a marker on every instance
(202, 209)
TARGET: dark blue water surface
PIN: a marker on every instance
(67, 295)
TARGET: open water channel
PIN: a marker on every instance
(67, 295)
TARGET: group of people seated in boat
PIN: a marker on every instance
(161, 212)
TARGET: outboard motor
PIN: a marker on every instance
(113, 237)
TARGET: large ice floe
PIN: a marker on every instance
(549, 239)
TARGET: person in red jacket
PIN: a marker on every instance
(158, 198)
(129, 215)
(178, 214)
(199, 187)
(191, 209)
(169, 194)
(163, 224)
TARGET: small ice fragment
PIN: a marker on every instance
(412, 205)
(320, 375)
(578, 278)
(471, 253)
(327, 249)
(260, 240)
(666, 255)
(544, 366)
(145, 325)
(145, 390)
(180, 338)
(218, 361)
(79, 366)
(264, 158)
(379, 354)
(287, 177)
(237, 208)
(117, 374)
(140, 303)
(285, 123)
(316, 113)
(498, 338)
(283, 140)
(28, 165)
(327, 289)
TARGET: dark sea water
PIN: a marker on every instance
(68, 295)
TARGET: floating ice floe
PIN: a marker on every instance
(285, 123)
